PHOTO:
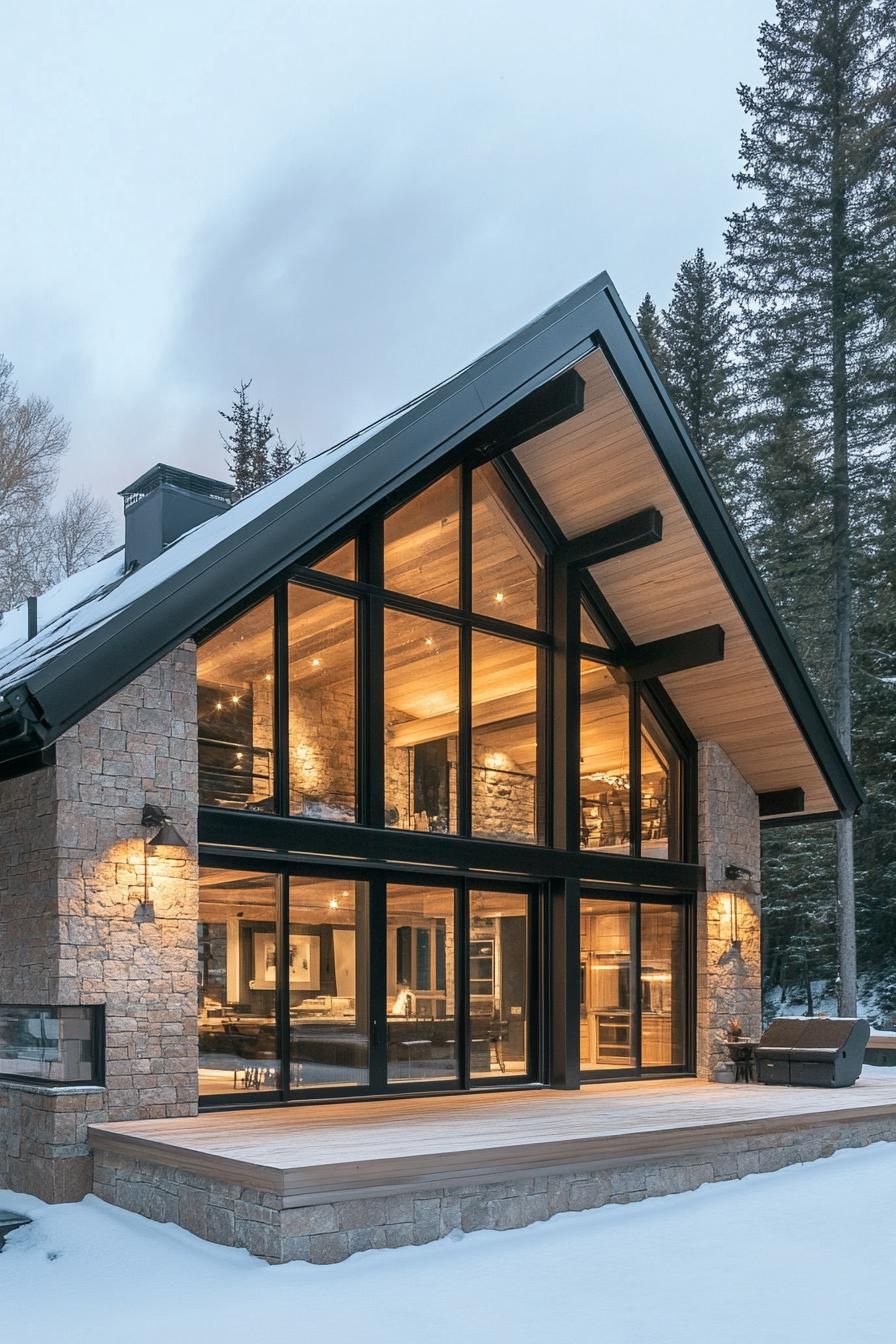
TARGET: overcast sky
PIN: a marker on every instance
(343, 201)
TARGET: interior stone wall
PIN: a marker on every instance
(322, 752)
(729, 970)
(73, 929)
(503, 796)
(502, 793)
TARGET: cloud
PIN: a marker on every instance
(353, 279)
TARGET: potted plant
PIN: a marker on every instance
(735, 1030)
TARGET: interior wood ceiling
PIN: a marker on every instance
(599, 466)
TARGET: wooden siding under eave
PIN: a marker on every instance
(669, 587)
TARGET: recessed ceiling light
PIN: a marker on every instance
(315, 662)
(334, 904)
(499, 597)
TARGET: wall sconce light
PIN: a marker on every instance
(735, 874)
(735, 936)
(167, 836)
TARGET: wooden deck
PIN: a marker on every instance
(345, 1150)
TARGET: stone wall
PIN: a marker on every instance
(233, 1214)
(29, 925)
(729, 971)
(73, 929)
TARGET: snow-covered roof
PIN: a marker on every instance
(91, 597)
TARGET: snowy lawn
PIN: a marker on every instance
(778, 1257)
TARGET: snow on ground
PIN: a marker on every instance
(800, 1254)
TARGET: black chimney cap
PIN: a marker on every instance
(162, 474)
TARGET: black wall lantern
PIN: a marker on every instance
(167, 836)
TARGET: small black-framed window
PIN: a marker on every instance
(57, 1046)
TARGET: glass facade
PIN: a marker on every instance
(237, 983)
(235, 690)
(661, 801)
(341, 563)
(322, 704)
(404, 683)
(605, 782)
(329, 968)
(498, 977)
(633, 985)
(506, 791)
(442, 693)
(607, 979)
(508, 564)
(421, 692)
(446, 969)
(421, 992)
(663, 1007)
(421, 544)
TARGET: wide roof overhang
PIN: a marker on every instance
(626, 449)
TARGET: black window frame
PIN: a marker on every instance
(378, 879)
(686, 901)
(558, 735)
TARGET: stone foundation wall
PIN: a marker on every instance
(729, 966)
(43, 1140)
(236, 1215)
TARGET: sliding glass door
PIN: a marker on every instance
(420, 1011)
(499, 984)
(634, 985)
(459, 985)
(326, 984)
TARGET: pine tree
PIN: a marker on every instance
(262, 433)
(256, 451)
(240, 442)
(699, 344)
(650, 325)
(284, 456)
(815, 291)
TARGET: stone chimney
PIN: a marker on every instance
(165, 503)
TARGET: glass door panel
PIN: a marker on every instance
(607, 980)
(421, 997)
(498, 984)
(329, 958)
(237, 982)
(662, 986)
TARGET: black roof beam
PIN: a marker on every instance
(675, 653)
(547, 406)
(781, 802)
(644, 528)
(263, 830)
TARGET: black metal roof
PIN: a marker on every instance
(65, 685)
